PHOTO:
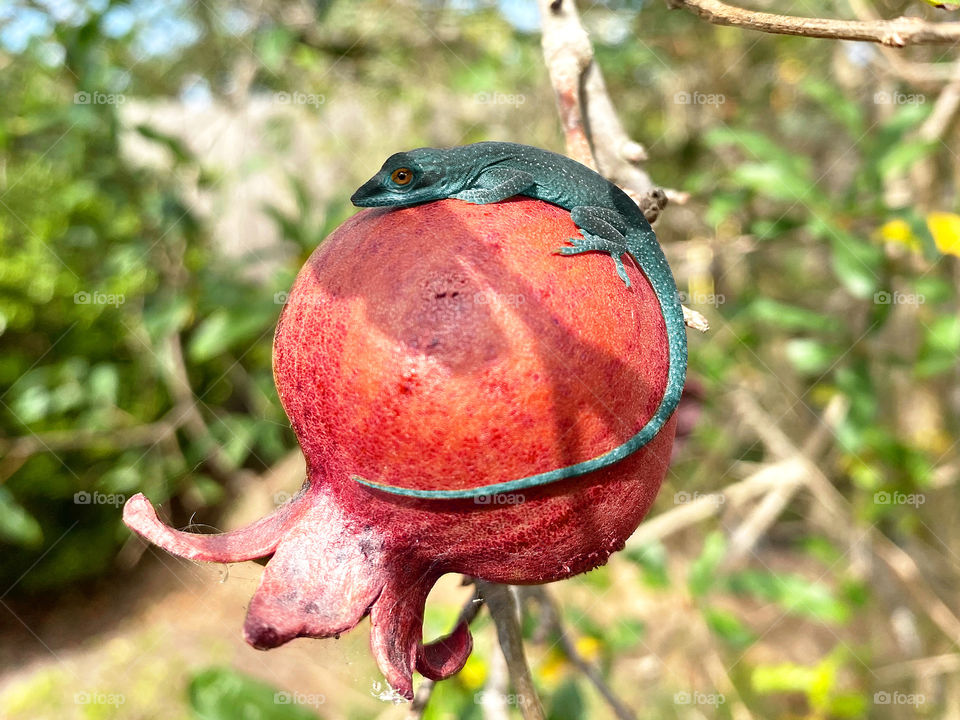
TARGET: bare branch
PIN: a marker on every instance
(174, 372)
(898, 32)
(923, 74)
(80, 438)
(694, 320)
(900, 563)
(555, 622)
(568, 53)
(921, 667)
(945, 110)
(704, 507)
(594, 134)
(503, 610)
(421, 698)
(769, 509)
(494, 704)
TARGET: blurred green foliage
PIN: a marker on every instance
(103, 263)
(224, 694)
(820, 239)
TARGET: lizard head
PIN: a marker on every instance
(406, 178)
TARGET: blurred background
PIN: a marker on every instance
(167, 167)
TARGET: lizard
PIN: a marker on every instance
(608, 219)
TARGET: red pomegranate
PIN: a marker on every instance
(446, 346)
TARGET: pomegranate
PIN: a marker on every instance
(446, 346)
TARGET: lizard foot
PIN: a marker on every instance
(621, 270)
(594, 243)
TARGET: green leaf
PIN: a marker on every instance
(769, 169)
(652, 559)
(176, 147)
(905, 119)
(728, 626)
(223, 329)
(787, 677)
(567, 702)
(832, 98)
(624, 634)
(224, 694)
(796, 594)
(773, 181)
(273, 47)
(723, 205)
(755, 144)
(941, 345)
(809, 356)
(208, 490)
(847, 705)
(790, 317)
(166, 317)
(902, 155)
(235, 433)
(933, 289)
(103, 383)
(856, 263)
(18, 526)
(598, 578)
(702, 576)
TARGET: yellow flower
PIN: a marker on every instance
(474, 672)
(588, 647)
(945, 228)
(898, 231)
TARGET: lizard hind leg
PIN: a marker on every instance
(601, 230)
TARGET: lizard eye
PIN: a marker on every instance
(401, 176)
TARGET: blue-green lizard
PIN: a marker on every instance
(609, 220)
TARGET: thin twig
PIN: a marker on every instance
(898, 32)
(769, 509)
(925, 74)
(494, 704)
(717, 670)
(555, 623)
(901, 564)
(703, 507)
(503, 610)
(80, 438)
(920, 667)
(694, 320)
(421, 698)
(944, 110)
(568, 53)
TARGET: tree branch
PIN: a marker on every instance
(82, 438)
(555, 623)
(503, 610)
(900, 563)
(898, 32)
(594, 134)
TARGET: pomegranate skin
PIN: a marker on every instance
(447, 346)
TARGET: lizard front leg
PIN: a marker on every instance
(494, 185)
(603, 230)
